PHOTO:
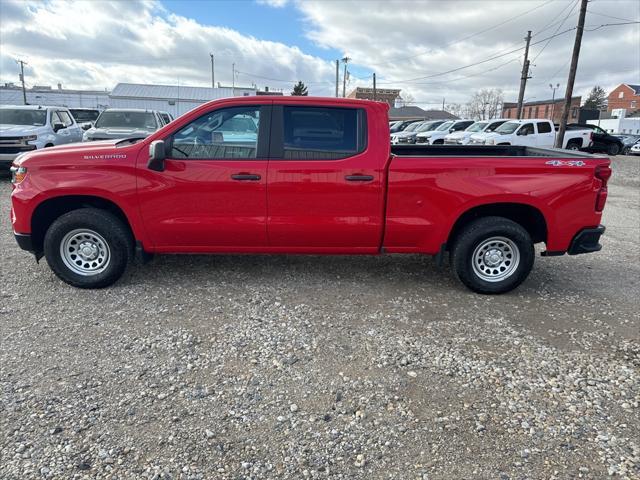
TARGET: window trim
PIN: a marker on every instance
(276, 147)
(262, 145)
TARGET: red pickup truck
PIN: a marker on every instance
(307, 176)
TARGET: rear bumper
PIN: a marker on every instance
(586, 241)
(24, 241)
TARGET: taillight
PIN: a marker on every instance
(602, 173)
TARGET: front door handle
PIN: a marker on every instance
(358, 178)
(245, 176)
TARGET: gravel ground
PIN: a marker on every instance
(235, 367)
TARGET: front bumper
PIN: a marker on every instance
(586, 241)
(6, 159)
(24, 241)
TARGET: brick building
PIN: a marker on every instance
(625, 96)
(550, 109)
(388, 95)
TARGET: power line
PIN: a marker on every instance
(468, 36)
(609, 16)
(559, 27)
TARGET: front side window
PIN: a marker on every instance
(228, 133)
(23, 116)
(323, 133)
(526, 129)
(444, 126)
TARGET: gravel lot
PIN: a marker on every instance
(339, 367)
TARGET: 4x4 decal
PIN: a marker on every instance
(566, 163)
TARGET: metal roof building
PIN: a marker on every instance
(174, 99)
(11, 94)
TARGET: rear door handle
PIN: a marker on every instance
(358, 178)
(245, 176)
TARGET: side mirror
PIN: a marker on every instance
(156, 156)
(85, 125)
(451, 130)
(57, 126)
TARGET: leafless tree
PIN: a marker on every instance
(485, 104)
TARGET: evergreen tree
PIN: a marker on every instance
(300, 89)
(597, 98)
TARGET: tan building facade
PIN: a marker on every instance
(388, 95)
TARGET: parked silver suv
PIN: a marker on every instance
(29, 127)
(124, 123)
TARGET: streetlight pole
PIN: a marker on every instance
(553, 99)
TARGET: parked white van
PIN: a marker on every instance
(533, 132)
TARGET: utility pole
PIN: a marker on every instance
(24, 91)
(524, 76)
(572, 75)
(345, 60)
(337, 77)
(443, 104)
(213, 75)
(233, 79)
(553, 99)
(375, 93)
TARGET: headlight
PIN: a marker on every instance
(30, 138)
(18, 174)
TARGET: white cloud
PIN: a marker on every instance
(273, 3)
(98, 44)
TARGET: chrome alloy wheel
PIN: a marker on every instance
(85, 252)
(495, 259)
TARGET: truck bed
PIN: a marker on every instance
(483, 151)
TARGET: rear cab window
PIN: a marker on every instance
(318, 133)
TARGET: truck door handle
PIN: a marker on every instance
(358, 178)
(245, 176)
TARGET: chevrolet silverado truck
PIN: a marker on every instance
(301, 175)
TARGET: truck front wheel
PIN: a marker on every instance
(88, 248)
(492, 255)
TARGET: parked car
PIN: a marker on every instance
(402, 124)
(533, 132)
(85, 117)
(436, 137)
(628, 141)
(410, 138)
(177, 191)
(410, 129)
(124, 123)
(635, 148)
(166, 117)
(463, 137)
(602, 141)
(30, 127)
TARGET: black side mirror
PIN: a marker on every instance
(57, 126)
(85, 125)
(156, 156)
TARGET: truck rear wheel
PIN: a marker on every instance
(88, 248)
(492, 255)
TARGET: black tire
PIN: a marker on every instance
(110, 232)
(438, 142)
(574, 145)
(613, 149)
(48, 145)
(477, 234)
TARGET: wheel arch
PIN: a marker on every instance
(528, 216)
(52, 208)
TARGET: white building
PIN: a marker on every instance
(170, 98)
(11, 94)
(618, 123)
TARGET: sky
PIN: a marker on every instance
(431, 50)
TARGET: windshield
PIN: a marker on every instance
(23, 116)
(477, 127)
(82, 116)
(494, 126)
(444, 126)
(412, 127)
(123, 119)
(425, 127)
(508, 127)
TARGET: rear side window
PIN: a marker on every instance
(544, 127)
(323, 133)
